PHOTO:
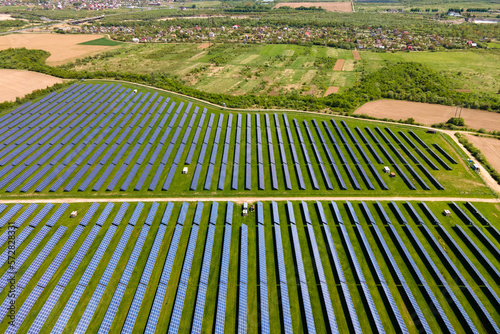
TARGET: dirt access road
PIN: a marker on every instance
(429, 114)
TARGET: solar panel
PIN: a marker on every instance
(306, 304)
(11, 213)
(221, 299)
(38, 261)
(181, 290)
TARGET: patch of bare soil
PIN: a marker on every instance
(203, 45)
(62, 48)
(490, 147)
(356, 55)
(332, 90)
(428, 114)
(328, 6)
(339, 64)
(17, 83)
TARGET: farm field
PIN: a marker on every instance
(63, 48)
(428, 114)
(204, 267)
(489, 147)
(16, 83)
(104, 139)
(238, 69)
(330, 6)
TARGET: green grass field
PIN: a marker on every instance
(238, 69)
(491, 211)
(475, 70)
(471, 184)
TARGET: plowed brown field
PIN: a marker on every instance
(16, 83)
(429, 114)
(339, 64)
(62, 48)
(490, 147)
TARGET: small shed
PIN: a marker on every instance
(73, 214)
(392, 174)
(447, 213)
(185, 170)
(431, 131)
(387, 169)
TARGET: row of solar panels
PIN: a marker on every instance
(100, 100)
(178, 306)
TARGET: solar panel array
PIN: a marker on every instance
(154, 314)
(205, 271)
(224, 271)
(295, 157)
(420, 320)
(243, 282)
(302, 281)
(356, 328)
(201, 157)
(110, 268)
(440, 280)
(125, 277)
(261, 240)
(186, 270)
(283, 285)
(92, 135)
(213, 156)
(357, 268)
(325, 294)
(74, 297)
(281, 146)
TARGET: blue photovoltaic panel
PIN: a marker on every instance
(22, 218)
(221, 299)
(305, 210)
(291, 214)
(229, 213)
(275, 213)
(260, 213)
(202, 287)
(15, 209)
(306, 304)
(181, 290)
(167, 213)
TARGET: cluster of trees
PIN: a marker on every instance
(403, 81)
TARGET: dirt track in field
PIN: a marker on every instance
(429, 114)
(328, 6)
(490, 147)
(62, 48)
(339, 64)
(16, 83)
